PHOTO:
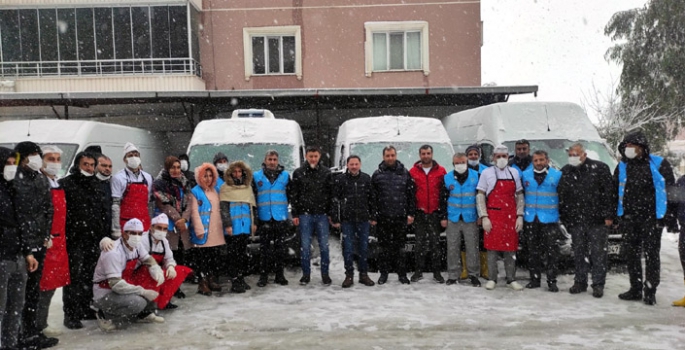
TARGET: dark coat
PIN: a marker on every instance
(86, 210)
(586, 194)
(310, 190)
(394, 191)
(106, 187)
(33, 206)
(167, 193)
(353, 198)
(11, 243)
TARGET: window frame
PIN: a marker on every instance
(279, 31)
(404, 27)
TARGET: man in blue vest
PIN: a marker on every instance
(458, 214)
(522, 161)
(270, 186)
(541, 220)
(474, 153)
(642, 180)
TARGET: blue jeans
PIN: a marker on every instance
(309, 224)
(355, 231)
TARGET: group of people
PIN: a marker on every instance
(91, 232)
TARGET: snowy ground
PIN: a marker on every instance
(423, 315)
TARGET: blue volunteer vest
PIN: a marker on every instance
(272, 202)
(541, 200)
(219, 183)
(657, 179)
(462, 200)
(205, 209)
(529, 167)
(481, 167)
(241, 220)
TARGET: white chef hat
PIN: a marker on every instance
(50, 149)
(501, 149)
(134, 225)
(160, 219)
(129, 147)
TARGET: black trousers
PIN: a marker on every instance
(208, 260)
(642, 237)
(392, 236)
(272, 235)
(590, 252)
(427, 229)
(543, 248)
(237, 255)
(78, 295)
(29, 320)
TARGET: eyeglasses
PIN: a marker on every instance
(134, 233)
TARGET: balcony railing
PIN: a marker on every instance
(134, 66)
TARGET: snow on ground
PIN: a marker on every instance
(423, 315)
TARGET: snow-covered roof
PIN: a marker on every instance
(256, 130)
(392, 129)
(53, 130)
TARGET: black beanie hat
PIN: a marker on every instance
(27, 147)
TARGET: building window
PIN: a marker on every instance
(272, 51)
(396, 46)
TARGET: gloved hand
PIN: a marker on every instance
(106, 244)
(170, 272)
(487, 225)
(519, 224)
(149, 294)
(157, 274)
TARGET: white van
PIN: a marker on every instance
(73, 136)
(247, 136)
(549, 126)
(366, 138)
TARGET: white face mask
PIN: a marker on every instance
(52, 169)
(473, 162)
(540, 171)
(9, 172)
(222, 166)
(460, 168)
(102, 177)
(133, 162)
(574, 161)
(158, 234)
(35, 162)
(133, 240)
(85, 173)
(630, 152)
(184, 165)
(502, 162)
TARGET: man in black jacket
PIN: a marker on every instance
(311, 204)
(586, 208)
(86, 211)
(395, 207)
(15, 256)
(354, 198)
(104, 174)
(642, 181)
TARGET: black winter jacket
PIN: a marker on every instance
(11, 243)
(33, 206)
(106, 187)
(353, 198)
(311, 190)
(394, 191)
(86, 210)
(586, 194)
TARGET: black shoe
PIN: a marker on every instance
(170, 306)
(305, 280)
(179, 294)
(246, 286)
(450, 282)
(73, 324)
(650, 299)
(598, 291)
(437, 277)
(552, 287)
(326, 280)
(404, 280)
(39, 341)
(417, 276)
(236, 286)
(578, 288)
(263, 280)
(474, 281)
(534, 283)
(280, 279)
(383, 279)
(632, 294)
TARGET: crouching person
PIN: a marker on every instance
(116, 299)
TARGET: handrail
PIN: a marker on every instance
(130, 66)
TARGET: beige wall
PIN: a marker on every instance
(333, 42)
(110, 83)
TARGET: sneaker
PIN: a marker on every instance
(170, 306)
(552, 287)
(383, 279)
(598, 291)
(280, 279)
(632, 294)
(51, 332)
(263, 280)
(514, 285)
(348, 282)
(304, 280)
(450, 282)
(490, 285)
(578, 288)
(437, 277)
(105, 324)
(474, 281)
(534, 283)
(404, 279)
(417, 276)
(365, 280)
(73, 324)
(326, 280)
(151, 318)
(236, 286)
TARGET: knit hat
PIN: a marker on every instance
(129, 147)
(50, 149)
(219, 156)
(134, 225)
(501, 149)
(473, 147)
(160, 219)
(27, 147)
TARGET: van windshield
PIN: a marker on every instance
(68, 153)
(558, 155)
(371, 153)
(250, 153)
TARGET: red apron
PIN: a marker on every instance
(141, 277)
(501, 206)
(56, 265)
(134, 204)
(127, 274)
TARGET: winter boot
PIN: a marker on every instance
(552, 286)
(383, 279)
(484, 264)
(236, 286)
(203, 287)
(326, 280)
(578, 288)
(437, 277)
(404, 279)
(365, 280)
(280, 279)
(349, 281)
(679, 302)
(417, 276)
(598, 291)
(263, 280)
(305, 280)
(464, 272)
(214, 286)
(179, 294)
(632, 294)
(534, 283)
(246, 286)
(649, 296)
